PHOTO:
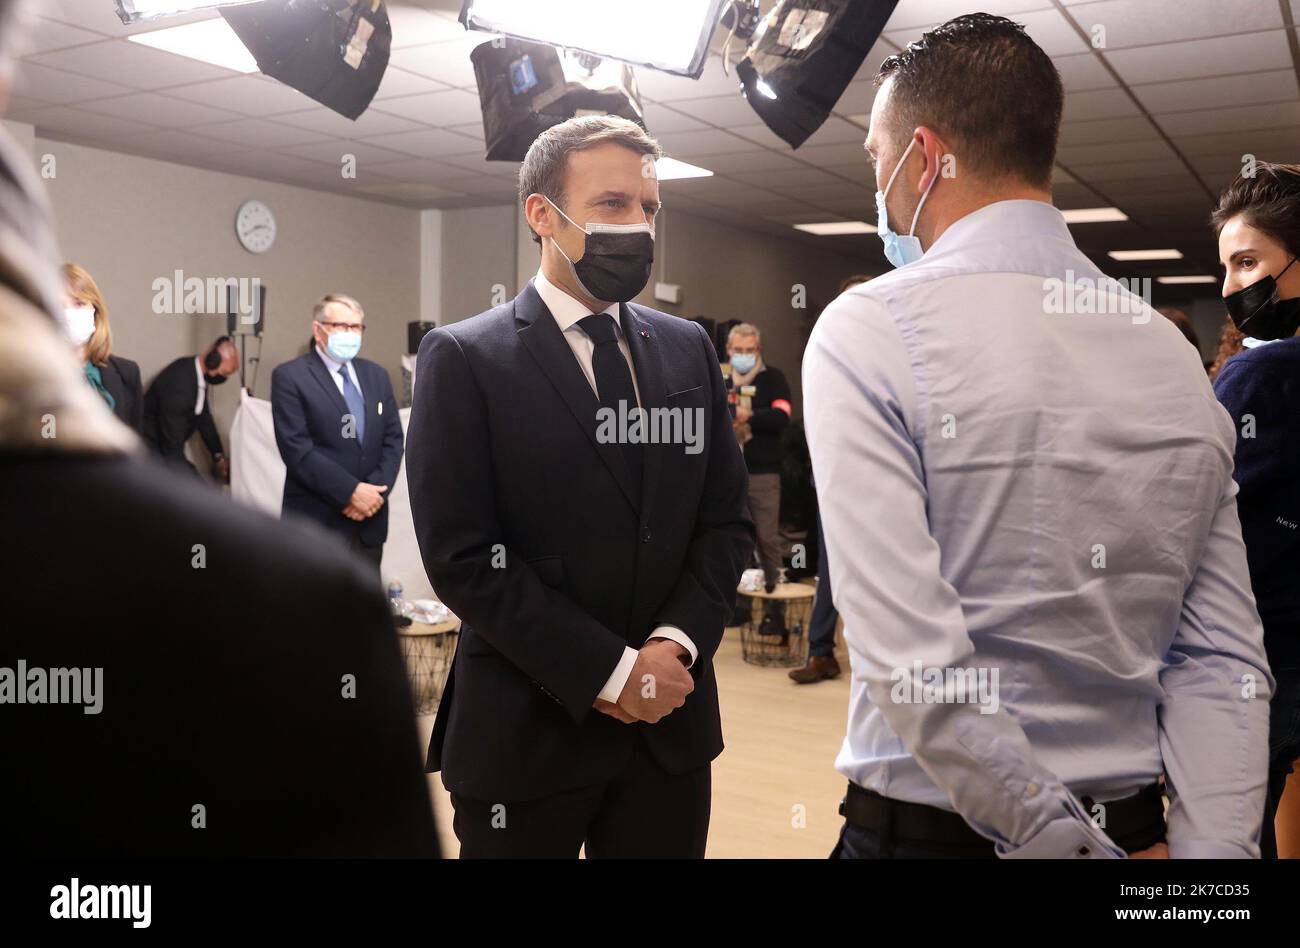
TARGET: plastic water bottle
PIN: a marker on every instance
(395, 597)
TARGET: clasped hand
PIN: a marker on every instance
(658, 685)
(366, 501)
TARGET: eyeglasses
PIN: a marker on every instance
(343, 327)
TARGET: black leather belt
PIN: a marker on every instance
(1133, 823)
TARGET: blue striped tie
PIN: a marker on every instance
(356, 405)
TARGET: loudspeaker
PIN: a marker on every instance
(234, 319)
(415, 332)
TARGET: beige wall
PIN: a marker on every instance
(728, 272)
(132, 220)
(478, 261)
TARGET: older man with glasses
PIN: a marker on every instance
(338, 430)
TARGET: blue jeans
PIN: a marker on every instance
(821, 627)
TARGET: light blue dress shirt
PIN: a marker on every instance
(1015, 490)
(333, 365)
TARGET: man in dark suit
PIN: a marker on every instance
(591, 567)
(228, 685)
(177, 404)
(338, 430)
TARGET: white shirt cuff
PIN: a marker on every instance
(622, 672)
(1065, 838)
(674, 634)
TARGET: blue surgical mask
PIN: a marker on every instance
(343, 346)
(744, 362)
(900, 250)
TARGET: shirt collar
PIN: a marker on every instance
(1009, 219)
(333, 365)
(567, 310)
(198, 370)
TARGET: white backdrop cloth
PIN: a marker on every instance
(257, 480)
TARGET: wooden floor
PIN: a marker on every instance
(775, 789)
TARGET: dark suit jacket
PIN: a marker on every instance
(223, 685)
(504, 459)
(324, 467)
(169, 418)
(122, 380)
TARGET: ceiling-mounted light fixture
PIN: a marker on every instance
(670, 35)
(136, 11)
(335, 51)
(525, 88)
(804, 55)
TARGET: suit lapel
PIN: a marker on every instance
(648, 360)
(370, 396)
(317, 369)
(542, 337)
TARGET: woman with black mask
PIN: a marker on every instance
(1258, 223)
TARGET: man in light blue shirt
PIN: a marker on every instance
(1026, 487)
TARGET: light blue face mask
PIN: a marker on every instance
(744, 362)
(343, 346)
(900, 250)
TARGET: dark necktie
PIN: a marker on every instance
(613, 382)
(356, 406)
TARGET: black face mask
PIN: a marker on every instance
(615, 265)
(1256, 310)
(214, 379)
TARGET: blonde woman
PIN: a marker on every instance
(85, 323)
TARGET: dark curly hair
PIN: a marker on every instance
(981, 82)
(1268, 200)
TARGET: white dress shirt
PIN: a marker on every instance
(203, 386)
(567, 311)
(1008, 487)
(332, 365)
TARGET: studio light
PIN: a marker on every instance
(1093, 215)
(803, 56)
(331, 50)
(837, 228)
(670, 35)
(208, 41)
(670, 169)
(1163, 254)
(136, 11)
(524, 88)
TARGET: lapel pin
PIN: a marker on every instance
(644, 334)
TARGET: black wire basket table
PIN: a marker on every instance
(428, 650)
(774, 625)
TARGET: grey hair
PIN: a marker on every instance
(318, 312)
(744, 329)
(547, 160)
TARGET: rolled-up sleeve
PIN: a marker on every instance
(861, 410)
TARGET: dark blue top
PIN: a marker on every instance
(1264, 383)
